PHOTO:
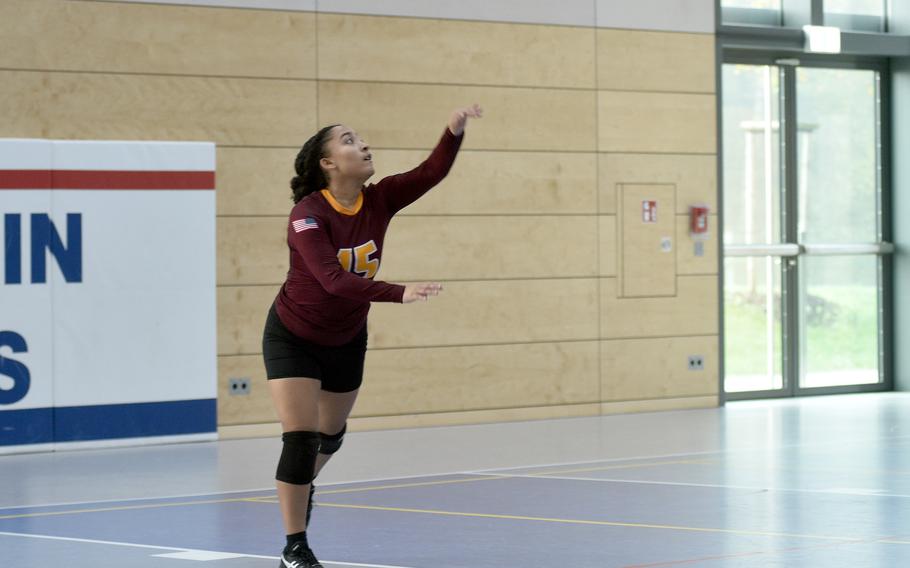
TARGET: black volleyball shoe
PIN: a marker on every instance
(299, 555)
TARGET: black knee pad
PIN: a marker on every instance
(298, 457)
(330, 443)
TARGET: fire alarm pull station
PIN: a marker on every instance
(698, 226)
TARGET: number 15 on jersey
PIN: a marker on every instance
(358, 261)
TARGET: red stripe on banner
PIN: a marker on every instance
(25, 179)
(94, 179)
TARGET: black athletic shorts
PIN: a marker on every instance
(340, 369)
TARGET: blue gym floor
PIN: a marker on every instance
(819, 482)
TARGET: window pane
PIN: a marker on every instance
(756, 4)
(837, 157)
(866, 7)
(755, 12)
(839, 321)
(752, 325)
(864, 15)
(751, 145)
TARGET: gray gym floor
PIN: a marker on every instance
(819, 481)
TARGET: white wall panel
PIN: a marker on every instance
(668, 15)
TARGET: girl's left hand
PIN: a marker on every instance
(460, 117)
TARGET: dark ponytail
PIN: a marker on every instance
(310, 176)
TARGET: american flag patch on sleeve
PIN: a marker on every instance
(301, 225)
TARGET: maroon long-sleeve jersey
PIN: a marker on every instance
(336, 251)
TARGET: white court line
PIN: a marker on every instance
(201, 552)
(836, 491)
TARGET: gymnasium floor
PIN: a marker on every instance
(814, 482)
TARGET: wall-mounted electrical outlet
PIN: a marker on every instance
(239, 386)
(696, 363)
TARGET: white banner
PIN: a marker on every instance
(107, 309)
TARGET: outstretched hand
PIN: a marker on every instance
(460, 117)
(420, 291)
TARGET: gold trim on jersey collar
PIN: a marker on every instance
(341, 208)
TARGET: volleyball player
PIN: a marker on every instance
(315, 336)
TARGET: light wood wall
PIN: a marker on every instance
(539, 318)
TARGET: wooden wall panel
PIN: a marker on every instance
(502, 183)
(608, 245)
(446, 379)
(414, 116)
(252, 408)
(138, 38)
(507, 311)
(656, 122)
(695, 177)
(241, 317)
(252, 250)
(144, 107)
(630, 60)
(454, 52)
(693, 311)
(635, 369)
(465, 313)
(255, 181)
(490, 247)
(450, 379)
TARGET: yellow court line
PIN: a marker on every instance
(122, 508)
(606, 523)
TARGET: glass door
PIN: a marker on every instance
(805, 254)
(753, 330)
(839, 227)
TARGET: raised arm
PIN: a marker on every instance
(399, 191)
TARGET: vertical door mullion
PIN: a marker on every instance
(883, 203)
(790, 312)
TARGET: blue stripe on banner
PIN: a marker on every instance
(29, 426)
(74, 423)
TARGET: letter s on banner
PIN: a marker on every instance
(14, 369)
